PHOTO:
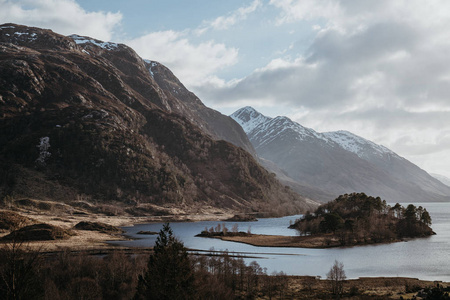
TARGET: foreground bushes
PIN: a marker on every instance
(169, 273)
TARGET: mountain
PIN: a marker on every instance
(337, 162)
(186, 103)
(445, 180)
(86, 121)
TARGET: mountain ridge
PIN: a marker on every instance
(337, 162)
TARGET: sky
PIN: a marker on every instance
(377, 68)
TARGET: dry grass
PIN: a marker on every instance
(307, 287)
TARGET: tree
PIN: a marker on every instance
(170, 272)
(398, 210)
(410, 213)
(336, 275)
(331, 222)
(19, 270)
(425, 217)
(43, 146)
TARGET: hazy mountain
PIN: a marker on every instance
(445, 180)
(338, 162)
(86, 119)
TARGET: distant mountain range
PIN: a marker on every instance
(83, 120)
(325, 165)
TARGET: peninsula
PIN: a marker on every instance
(349, 220)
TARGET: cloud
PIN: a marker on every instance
(377, 68)
(63, 16)
(225, 22)
(193, 64)
(306, 10)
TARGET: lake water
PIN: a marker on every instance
(425, 258)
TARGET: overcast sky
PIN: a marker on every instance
(377, 68)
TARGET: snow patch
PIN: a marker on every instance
(80, 40)
(152, 64)
(356, 144)
(32, 36)
(249, 118)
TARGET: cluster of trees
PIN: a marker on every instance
(173, 274)
(358, 218)
(222, 229)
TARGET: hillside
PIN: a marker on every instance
(85, 119)
(336, 162)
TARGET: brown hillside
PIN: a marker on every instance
(89, 119)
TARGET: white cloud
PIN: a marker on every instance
(193, 64)
(378, 68)
(225, 22)
(63, 16)
(293, 10)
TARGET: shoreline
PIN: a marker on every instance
(97, 243)
(322, 241)
(96, 240)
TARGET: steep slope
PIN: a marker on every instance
(338, 162)
(302, 188)
(81, 118)
(388, 161)
(186, 103)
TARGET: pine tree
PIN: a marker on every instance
(170, 272)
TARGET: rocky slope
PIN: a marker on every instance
(186, 103)
(88, 120)
(337, 162)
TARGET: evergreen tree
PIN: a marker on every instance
(425, 217)
(169, 274)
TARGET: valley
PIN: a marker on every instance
(100, 148)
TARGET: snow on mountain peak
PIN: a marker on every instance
(284, 123)
(249, 118)
(80, 40)
(266, 129)
(355, 144)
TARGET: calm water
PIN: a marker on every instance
(426, 258)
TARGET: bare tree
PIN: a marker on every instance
(19, 268)
(336, 275)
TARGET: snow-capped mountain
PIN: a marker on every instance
(337, 162)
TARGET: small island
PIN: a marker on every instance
(349, 220)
